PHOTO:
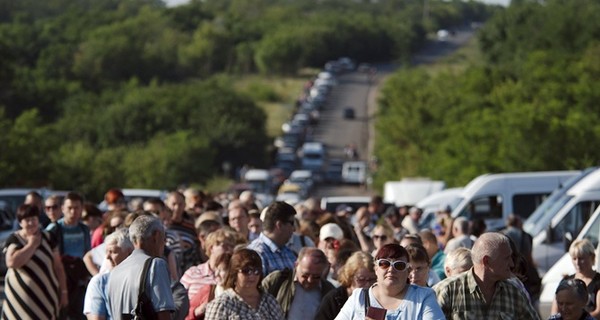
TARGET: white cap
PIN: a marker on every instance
(331, 230)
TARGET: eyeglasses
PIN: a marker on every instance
(398, 265)
(249, 271)
(383, 237)
(364, 280)
(52, 207)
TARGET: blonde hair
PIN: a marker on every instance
(358, 260)
(220, 236)
(581, 248)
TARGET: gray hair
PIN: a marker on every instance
(488, 244)
(120, 238)
(459, 259)
(143, 227)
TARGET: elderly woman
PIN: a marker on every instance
(457, 261)
(243, 297)
(583, 257)
(35, 284)
(571, 298)
(358, 272)
(392, 295)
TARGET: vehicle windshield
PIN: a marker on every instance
(535, 224)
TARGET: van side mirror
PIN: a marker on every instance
(568, 239)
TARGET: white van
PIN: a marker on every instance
(493, 197)
(566, 215)
(564, 266)
(259, 180)
(354, 172)
(313, 156)
(409, 191)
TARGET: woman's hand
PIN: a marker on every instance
(35, 239)
(201, 309)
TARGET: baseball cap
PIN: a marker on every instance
(331, 230)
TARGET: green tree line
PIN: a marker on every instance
(102, 93)
(531, 104)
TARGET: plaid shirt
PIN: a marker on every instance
(230, 306)
(461, 298)
(273, 258)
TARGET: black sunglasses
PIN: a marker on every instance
(382, 237)
(398, 265)
(249, 271)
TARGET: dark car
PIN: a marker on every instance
(349, 113)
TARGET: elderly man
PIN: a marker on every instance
(483, 291)
(300, 292)
(238, 221)
(148, 237)
(462, 236)
(278, 227)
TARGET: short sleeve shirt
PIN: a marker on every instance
(273, 257)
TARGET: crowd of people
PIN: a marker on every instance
(194, 256)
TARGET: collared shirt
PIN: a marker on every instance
(231, 306)
(461, 298)
(273, 257)
(305, 303)
(196, 277)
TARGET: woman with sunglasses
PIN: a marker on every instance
(382, 234)
(243, 296)
(392, 297)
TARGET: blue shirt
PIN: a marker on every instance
(273, 257)
(95, 302)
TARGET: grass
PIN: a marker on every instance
(275, 95)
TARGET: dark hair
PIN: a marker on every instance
(212, 205)
(376, 200)
(417, 253)
(90, 210)
(242, 258)
(392, 251)
(577, 285)
(478, 227)
(27, 211)
(34, 194)
(277, 211)
(73, 196)
(113, 196)
(428, 236)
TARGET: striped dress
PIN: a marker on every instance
(32, 290)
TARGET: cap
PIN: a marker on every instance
(343, 207)
(331, 230)
(209, 216)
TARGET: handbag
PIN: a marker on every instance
(144, 309)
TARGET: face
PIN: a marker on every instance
(380, 238)
(419, 273)
(31, 225)
(501, 264)
(238, 220)
(363, 278)
(247, 277)
(390, 276)
(255, 225)
(221, 247)
(177, 205)
(116, 254)
(569, 306)
(309, 273)
(52, 209)
(287, 228)
(72, 211)
(582, 263)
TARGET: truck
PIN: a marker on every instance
(408, 191)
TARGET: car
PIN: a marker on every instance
(349, 113)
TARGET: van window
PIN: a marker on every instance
(574, 220)
(525, 204)
(487, 207)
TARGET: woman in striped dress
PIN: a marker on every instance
(35, 285)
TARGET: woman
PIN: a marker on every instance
(583, 256)
(392, 292)
(35, 284)
(209, 292)
(382, 234)
(571, 298)
(358, 272)
(420, 271)
(243, 298)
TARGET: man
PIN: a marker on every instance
(238, 220)
(393, 218)
(278, 227)
(254, 225)
(194, 200)
(74, 242)
(462, 237)
(411, 221)
(300, 292)
(148, 237)
(35, 199)
(483, 291)
(376, 208)
(436, 255)
(182, 224)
